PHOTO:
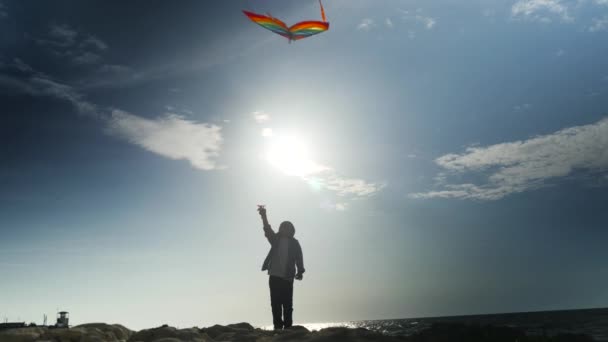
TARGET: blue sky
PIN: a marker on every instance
(436, 158)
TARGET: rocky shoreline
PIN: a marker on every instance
(244, 332)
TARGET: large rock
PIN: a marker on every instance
(21, 334)
(112, 332)
(239, 332)
(244, 332)
(170, 334)
(241, 326)
(96, 332)
(78, 335)
(296, 332)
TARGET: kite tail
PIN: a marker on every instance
(322, 11)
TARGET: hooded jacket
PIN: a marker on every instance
(294, 254)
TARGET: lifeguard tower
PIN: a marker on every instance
(63, 318)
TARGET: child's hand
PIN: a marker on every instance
(262, 209)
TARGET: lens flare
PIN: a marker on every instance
(292, 157)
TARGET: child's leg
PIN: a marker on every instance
(275, 284)
(288, 304)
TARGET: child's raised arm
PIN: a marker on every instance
(268, 232)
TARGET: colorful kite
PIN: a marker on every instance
(298, 31)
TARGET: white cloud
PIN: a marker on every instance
(599, 24)
(333, 206)
(290, 155)
(428, 22)
(341, 206)
(347, 186)
(417, 17)
(267, 132)
(541, 10)
(171, 136)
(389, 23)
(366, 24)
(261, 117)
(520, 166)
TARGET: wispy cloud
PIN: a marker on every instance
(522, 107)
(221, 52)
(417, 16)
(541, 10)
(3, 13)
(389, 23)
(599, 24)
(261, 117)
(49, 87)
(366, 24)
(289, 155)
(171, 136)
(488, 12)
(87, 58)
(119, 69)
(61, 35)
(22, 66)
(333, 206)
(36, 83)
(65, 42)
(344, 186)
(92, 41)
(524, 165)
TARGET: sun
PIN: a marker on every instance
(292, 156)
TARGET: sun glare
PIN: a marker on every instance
(292, 157)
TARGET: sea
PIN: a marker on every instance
(593, 322)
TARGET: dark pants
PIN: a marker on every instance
(281, 300)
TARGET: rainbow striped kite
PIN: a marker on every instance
(297, 31)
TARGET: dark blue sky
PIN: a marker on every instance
(436, 158)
